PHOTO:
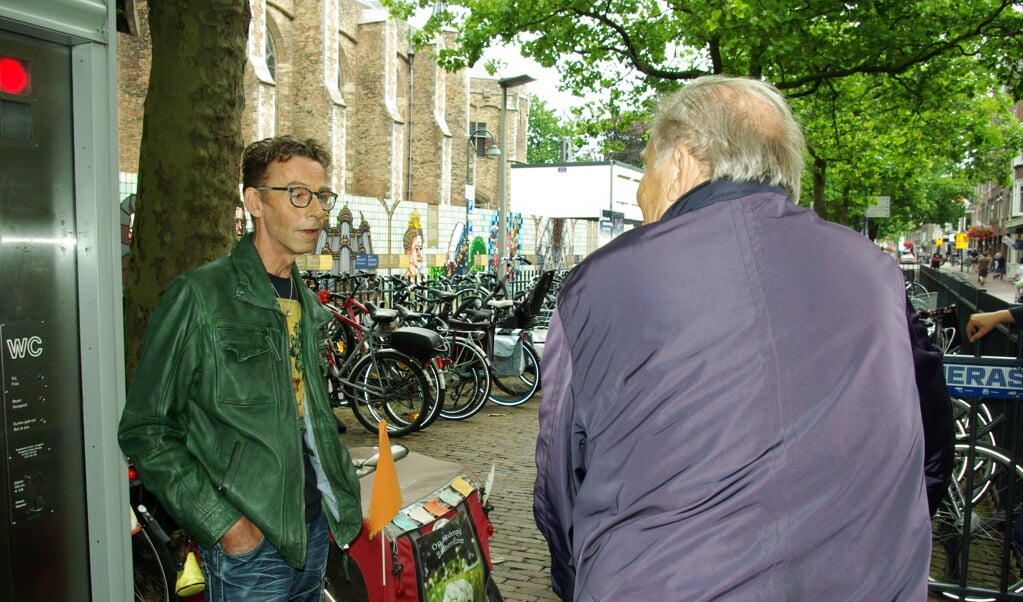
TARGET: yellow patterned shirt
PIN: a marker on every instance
(292, 310)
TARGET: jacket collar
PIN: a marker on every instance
(254, 284)
(708, 193)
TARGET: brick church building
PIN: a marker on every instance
(409, 139)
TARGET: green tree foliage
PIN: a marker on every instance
(546, 133)
(895, 96)
(190, 150)
(796, 45)
(911, 137)
(621, 137)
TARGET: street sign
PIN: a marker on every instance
(962, 240)
(880, 208)
(365, 261)
(994, 377)
(939, 241)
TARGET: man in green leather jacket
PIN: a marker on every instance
(227, 418)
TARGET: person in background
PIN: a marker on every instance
(983, 266)
(936, 260)
(972, 256)
(998, 266)
(732, 437)
(227, 418)
(980, 324)
(1017, 282)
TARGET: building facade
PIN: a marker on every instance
(998, 212)
(345, 73)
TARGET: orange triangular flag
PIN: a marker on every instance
(386, 499)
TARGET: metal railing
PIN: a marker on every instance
(974, 556)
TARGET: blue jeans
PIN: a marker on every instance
(260, 575)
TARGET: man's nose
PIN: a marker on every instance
(316, 209)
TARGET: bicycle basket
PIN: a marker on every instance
(926, 301)
(509, 358)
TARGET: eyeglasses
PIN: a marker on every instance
(300, 196)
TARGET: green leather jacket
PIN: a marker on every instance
(211, 421)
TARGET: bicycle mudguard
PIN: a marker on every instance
(419, 343)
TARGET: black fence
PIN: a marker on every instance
(968, 299)
(977, 535)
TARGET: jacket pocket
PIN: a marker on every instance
(232, 466)
(246, 364)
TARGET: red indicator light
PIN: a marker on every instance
(14, 76)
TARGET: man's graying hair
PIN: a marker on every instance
(259, 155)
(740, 128)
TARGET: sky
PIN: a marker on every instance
(547, 79)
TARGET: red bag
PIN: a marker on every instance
(437, 548)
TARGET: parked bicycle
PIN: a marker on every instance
(153, 567)
(514, 362)
(972, 529)
(380, 373)
(942, 326)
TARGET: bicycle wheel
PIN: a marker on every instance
(438, 393)
(983, 534)
(468, 379)
(985, 437)
(152, 568)
(517, 389)
(342, 338)
(961, 415)
(387, 385)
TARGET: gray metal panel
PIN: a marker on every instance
(98, 227)
(42, 476)
(83, 19)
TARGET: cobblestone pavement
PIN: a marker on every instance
(506, 438)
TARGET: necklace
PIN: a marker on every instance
(291, 295)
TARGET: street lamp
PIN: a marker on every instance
(502, 176)
(493, 152)
(470, 180)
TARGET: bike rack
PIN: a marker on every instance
(997, 381)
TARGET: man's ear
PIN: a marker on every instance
(679, 154)
(691, 170)
(253, 202)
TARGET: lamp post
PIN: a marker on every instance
(502, 176)
(493, 152)
(470, 178)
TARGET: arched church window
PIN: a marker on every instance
(271, 56)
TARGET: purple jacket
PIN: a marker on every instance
(729, 411)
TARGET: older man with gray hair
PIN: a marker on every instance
(731, 403)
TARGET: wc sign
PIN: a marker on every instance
(19, 348)
(983, 377)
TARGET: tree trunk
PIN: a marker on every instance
(190, 150)
(820, 174)
(843, 215)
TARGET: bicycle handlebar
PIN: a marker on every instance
(937, 312)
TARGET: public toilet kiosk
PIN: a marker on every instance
(64, 515)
